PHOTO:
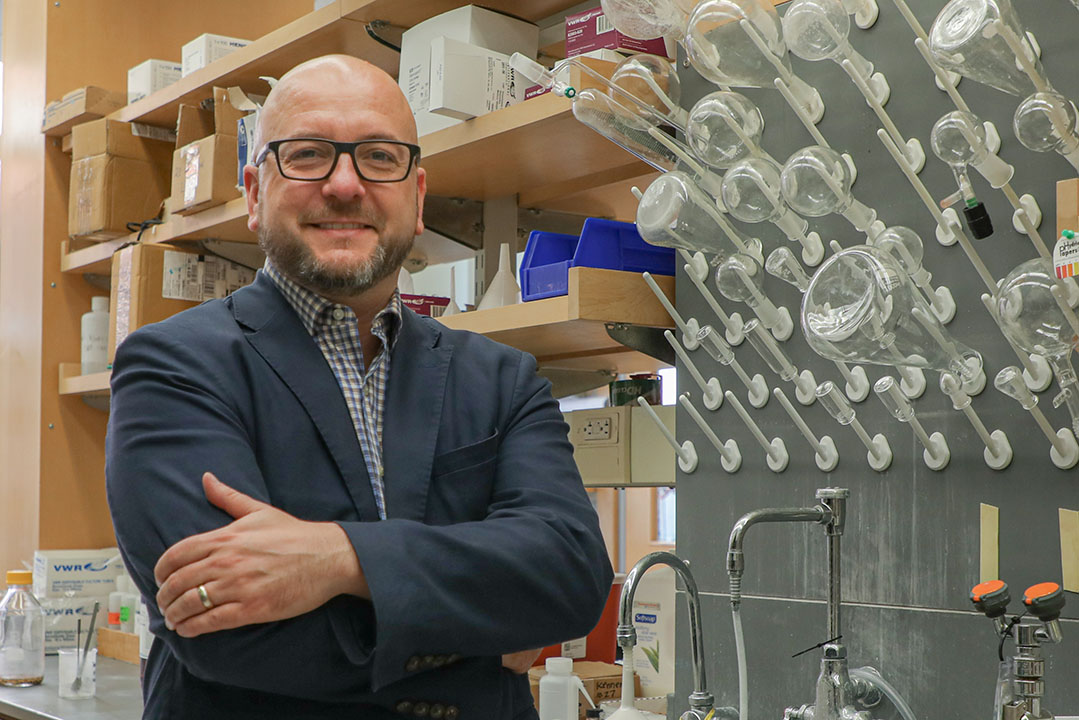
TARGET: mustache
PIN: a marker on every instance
(341, 212)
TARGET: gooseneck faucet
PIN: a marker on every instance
(701, 702)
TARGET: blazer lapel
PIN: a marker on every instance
(280, 338)
(416, 388)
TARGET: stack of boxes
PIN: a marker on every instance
(68, 583)
(204, 163)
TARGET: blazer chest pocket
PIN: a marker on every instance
(461, 482)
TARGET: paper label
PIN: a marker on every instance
(180, 278)
(1066, 257)
(575, 649)
(191, 173)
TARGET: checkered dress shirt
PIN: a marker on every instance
(334, 328)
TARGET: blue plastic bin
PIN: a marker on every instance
(603, 244)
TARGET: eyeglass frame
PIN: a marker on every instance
(340, 148)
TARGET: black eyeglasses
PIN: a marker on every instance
(313, 159)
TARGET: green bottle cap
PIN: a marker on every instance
(1068, 234)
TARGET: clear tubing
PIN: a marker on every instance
(743, 672)
(964, 242)
(797, 418)
(1028, 226)
(1024, 358)
(683, 400)
(708, 298)
(884, 686)
(753, 428)
(688, 363)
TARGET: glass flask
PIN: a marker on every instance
(862, 307)
(964, 39)
(644, 19)
(1046, 121)
(675, 212)
(958, 139)
(22, 633)
(1032, 319)
(623, 127)
(718, 125)
(652, 80)
(816, 181)
(818, 29)
(739, 278)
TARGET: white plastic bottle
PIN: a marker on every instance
(129, 602)
(95, 336)
(116, 601)
(558, 691)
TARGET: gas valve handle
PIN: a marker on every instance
(991, 598)
(1044, 600)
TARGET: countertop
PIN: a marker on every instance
(119, 696)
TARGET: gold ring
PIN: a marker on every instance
(205, 597)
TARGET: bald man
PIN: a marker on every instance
(333, 507)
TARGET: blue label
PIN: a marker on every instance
(644, 618)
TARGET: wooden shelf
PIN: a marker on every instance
(407, 14)
(569, 331)
(224, 222)
(72, 382)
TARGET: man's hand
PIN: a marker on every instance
(265, 566)
(519, 662)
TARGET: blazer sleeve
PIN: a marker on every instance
(171, 420)
(533, 572)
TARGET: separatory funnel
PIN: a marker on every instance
(752, 192)
(1046, 122)
(816, 181)
(959, 140)
(1032, 318)
(740, 43)
(862, 307)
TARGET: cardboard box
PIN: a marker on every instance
(591, 30)
(67, 573)
(468, 80)
(149, 76)
(79, 106)
(205, 49)
(430, 305)
(153, 282)
(469, 24)
(121, 139)
(107, 192)
(62, 617)
(1067, 205)
(602, 681)
(204, 163)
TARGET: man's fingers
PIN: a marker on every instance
(222, 617)
(187, 551)
(234, 502)
(182, 580)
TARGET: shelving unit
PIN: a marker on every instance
(72, 382)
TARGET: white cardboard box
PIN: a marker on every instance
(468, 80)
(207, 48)
(83, 573)
(62, 617)
(150, 76)
(468, 24)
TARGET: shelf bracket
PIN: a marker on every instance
(648, 340)
(566, 382)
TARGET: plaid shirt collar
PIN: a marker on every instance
(316, 312)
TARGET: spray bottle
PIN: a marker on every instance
(558, 691)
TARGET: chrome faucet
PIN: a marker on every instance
(701, 702)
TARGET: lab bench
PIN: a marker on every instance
(118, 697)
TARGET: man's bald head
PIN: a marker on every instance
(355, 83)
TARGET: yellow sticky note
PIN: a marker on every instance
(1069, 548)
(989, 557)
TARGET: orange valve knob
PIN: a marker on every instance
(991, 598)
(1044, 600)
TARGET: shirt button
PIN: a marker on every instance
(437, 711)
(452, 713)
(338, 314)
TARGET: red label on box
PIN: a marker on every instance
(591, 30)
(429, 305)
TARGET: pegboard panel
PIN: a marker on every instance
(912, 541)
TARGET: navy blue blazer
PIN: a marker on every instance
(490, 544)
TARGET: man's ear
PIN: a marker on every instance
(421, 193)
(251, 185)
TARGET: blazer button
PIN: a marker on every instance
(420, 709)
(413, 664)
(428, 661)
(439, 661)
(437, 711)
(452, 713)
(453, 657)
(403, 708)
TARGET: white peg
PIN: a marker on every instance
(1026, 217)
(1022, 56)
(808, 97)
(776, 319)
(976, 384)
(865, 12)
(711, 390)
(1065, 449)
(878, 452)
(913, 155)
(721, 352)
(804, 382)
(696, 264)
(948, 226)
(729, 454)
(707, 179)
(810, 127)
(732, 323)
(857, 384)
(1060, 294)
(1036, 373)
(936, 454)
(998, 451)
(774, 449)
(687, 454)
(825, 454)
(948, 79)
(689, 328)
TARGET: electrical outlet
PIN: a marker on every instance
(600, 440)
(596, 429)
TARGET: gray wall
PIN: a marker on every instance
(911, 548)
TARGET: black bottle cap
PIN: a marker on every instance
(592, 713)
(978, 221)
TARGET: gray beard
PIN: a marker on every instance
(298, 263)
